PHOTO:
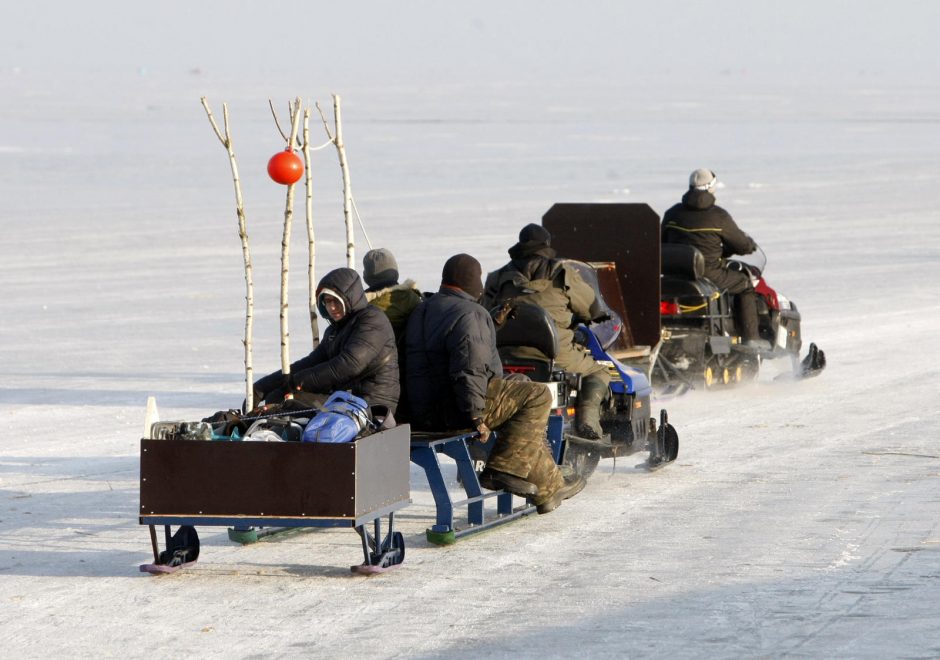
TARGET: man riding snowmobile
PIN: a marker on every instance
(536, 277)
(699, 222)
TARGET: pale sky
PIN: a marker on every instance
(500, 41)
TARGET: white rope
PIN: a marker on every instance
(361, 226)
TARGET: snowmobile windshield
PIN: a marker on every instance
(756, 259)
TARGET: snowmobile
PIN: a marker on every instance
(702, 346)
(678, 327)
(626, 414)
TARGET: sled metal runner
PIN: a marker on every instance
(280, 484)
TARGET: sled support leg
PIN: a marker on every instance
(380, 554)
(153, 543)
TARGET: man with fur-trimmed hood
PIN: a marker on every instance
(380, 272)
(357, 352)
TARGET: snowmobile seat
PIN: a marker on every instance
(688, 289)
(682, 261)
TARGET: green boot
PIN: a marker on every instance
(592, 394)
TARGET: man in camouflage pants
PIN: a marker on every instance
(454, 381)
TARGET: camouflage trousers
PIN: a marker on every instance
(518, 412)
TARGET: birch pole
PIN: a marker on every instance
(337, 141)
(347, 191)
(285, 246)
(226, 140)
(311, 243)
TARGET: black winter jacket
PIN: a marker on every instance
(699, 222)
(357, 353)
(450, 358)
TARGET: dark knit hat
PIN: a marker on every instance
(463, 272)
(532, 238)
(379, 268)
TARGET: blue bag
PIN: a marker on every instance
(343, 417)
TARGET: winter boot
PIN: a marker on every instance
(588, 419)
(496, 480)
(572, 487)
(750, 330)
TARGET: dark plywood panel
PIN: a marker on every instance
(629, 236)
(180, 477)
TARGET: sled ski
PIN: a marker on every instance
(380, 557)
(182, 551)
(813, 363)
(664, 443)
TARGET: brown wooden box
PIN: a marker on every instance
(222, 479)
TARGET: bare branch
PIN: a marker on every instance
(215, 127)
(294, 122)
(276, 122)
(326, 126)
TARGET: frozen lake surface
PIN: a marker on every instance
(799, 519)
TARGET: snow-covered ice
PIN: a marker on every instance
(799, 520)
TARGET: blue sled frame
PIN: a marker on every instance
(426, 449)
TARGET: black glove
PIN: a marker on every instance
(580, 336)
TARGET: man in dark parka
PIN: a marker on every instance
(699, 222)
(357, 352)
(454, 381)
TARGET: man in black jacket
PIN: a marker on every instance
(357, 353)
(699, 222)
(454, 381)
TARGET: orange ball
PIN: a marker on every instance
(286, 167)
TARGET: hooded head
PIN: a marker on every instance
(343, 284)
(533, 239)
(703, 179)
(379, 269)
(465, 273)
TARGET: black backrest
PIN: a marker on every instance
(683, 261)
(532, 326)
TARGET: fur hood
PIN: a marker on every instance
(404, 286)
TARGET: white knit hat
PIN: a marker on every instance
(703, 179)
